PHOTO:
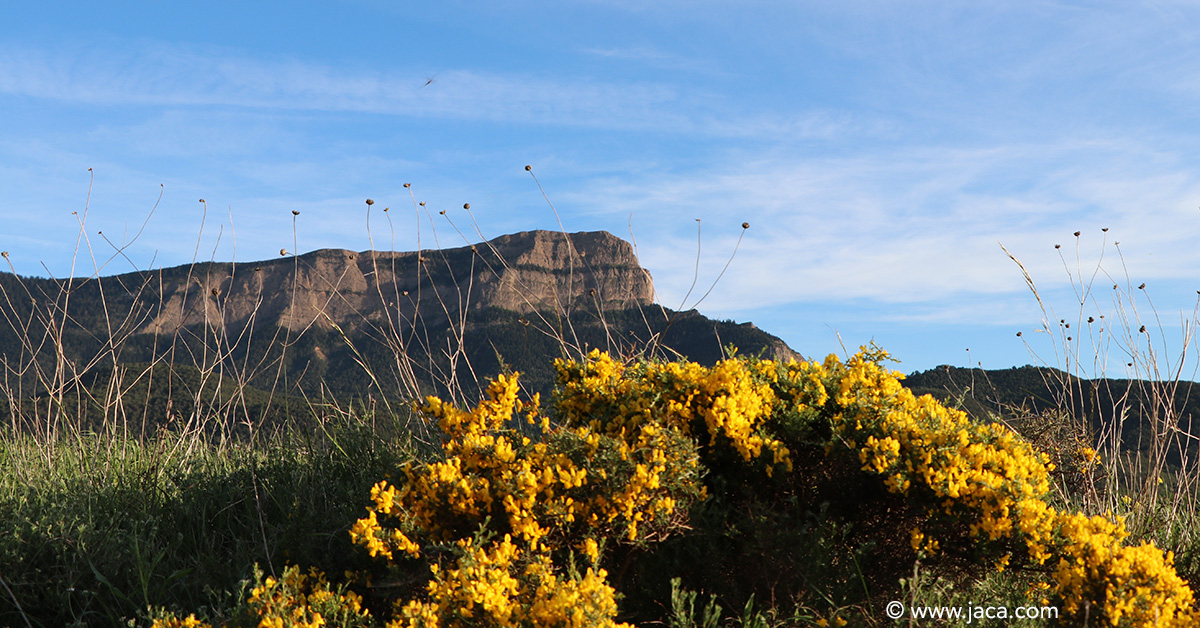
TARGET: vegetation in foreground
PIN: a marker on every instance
(752, 492)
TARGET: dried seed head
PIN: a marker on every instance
(408, 185)
(745, 225)
(1058, 246)
(295, 213)
(201, 200)
(1142, 287)
(466, 206)
(283, 251)
(1076, 234)
(1142, 329)
(405, 293)
(1104, 229)
(1068, 339)
(472, 248)
(370, 202)
(89, 169)
(422, 203)
(1091, 320)
(386, 208)
(443, 212)
(4, 254)
(528, 168)
(216, 292)
(1018, 334)
(592, 292)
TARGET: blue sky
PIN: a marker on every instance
(881, 151)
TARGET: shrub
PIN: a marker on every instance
(502, 520)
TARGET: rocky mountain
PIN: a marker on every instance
(345, 325)
(526, 272)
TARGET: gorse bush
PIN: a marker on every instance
(523, 517)
(986, 478)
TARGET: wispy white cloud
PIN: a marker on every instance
(653, 57)
(173, 76)
(918, 229)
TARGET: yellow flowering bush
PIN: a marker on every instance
(500, 519)
(573, 484)
(294, 600)
(983, 474)
(570, 491)
(731, 402)
(986, 477)
(500, 584)
(1098, 575)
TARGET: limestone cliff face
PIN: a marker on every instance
(524, 272)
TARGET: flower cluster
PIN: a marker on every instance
(572, 484)
(1130, 585)
(294, 600)
(500, 584)
(988, 478)
(731, 402)
(573, 488)
(983, 474)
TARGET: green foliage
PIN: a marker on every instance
(102, 528)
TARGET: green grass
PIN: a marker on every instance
(99, 529)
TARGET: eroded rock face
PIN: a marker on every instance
(523, 272)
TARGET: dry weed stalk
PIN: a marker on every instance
(52, 391)
(1149, 469)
